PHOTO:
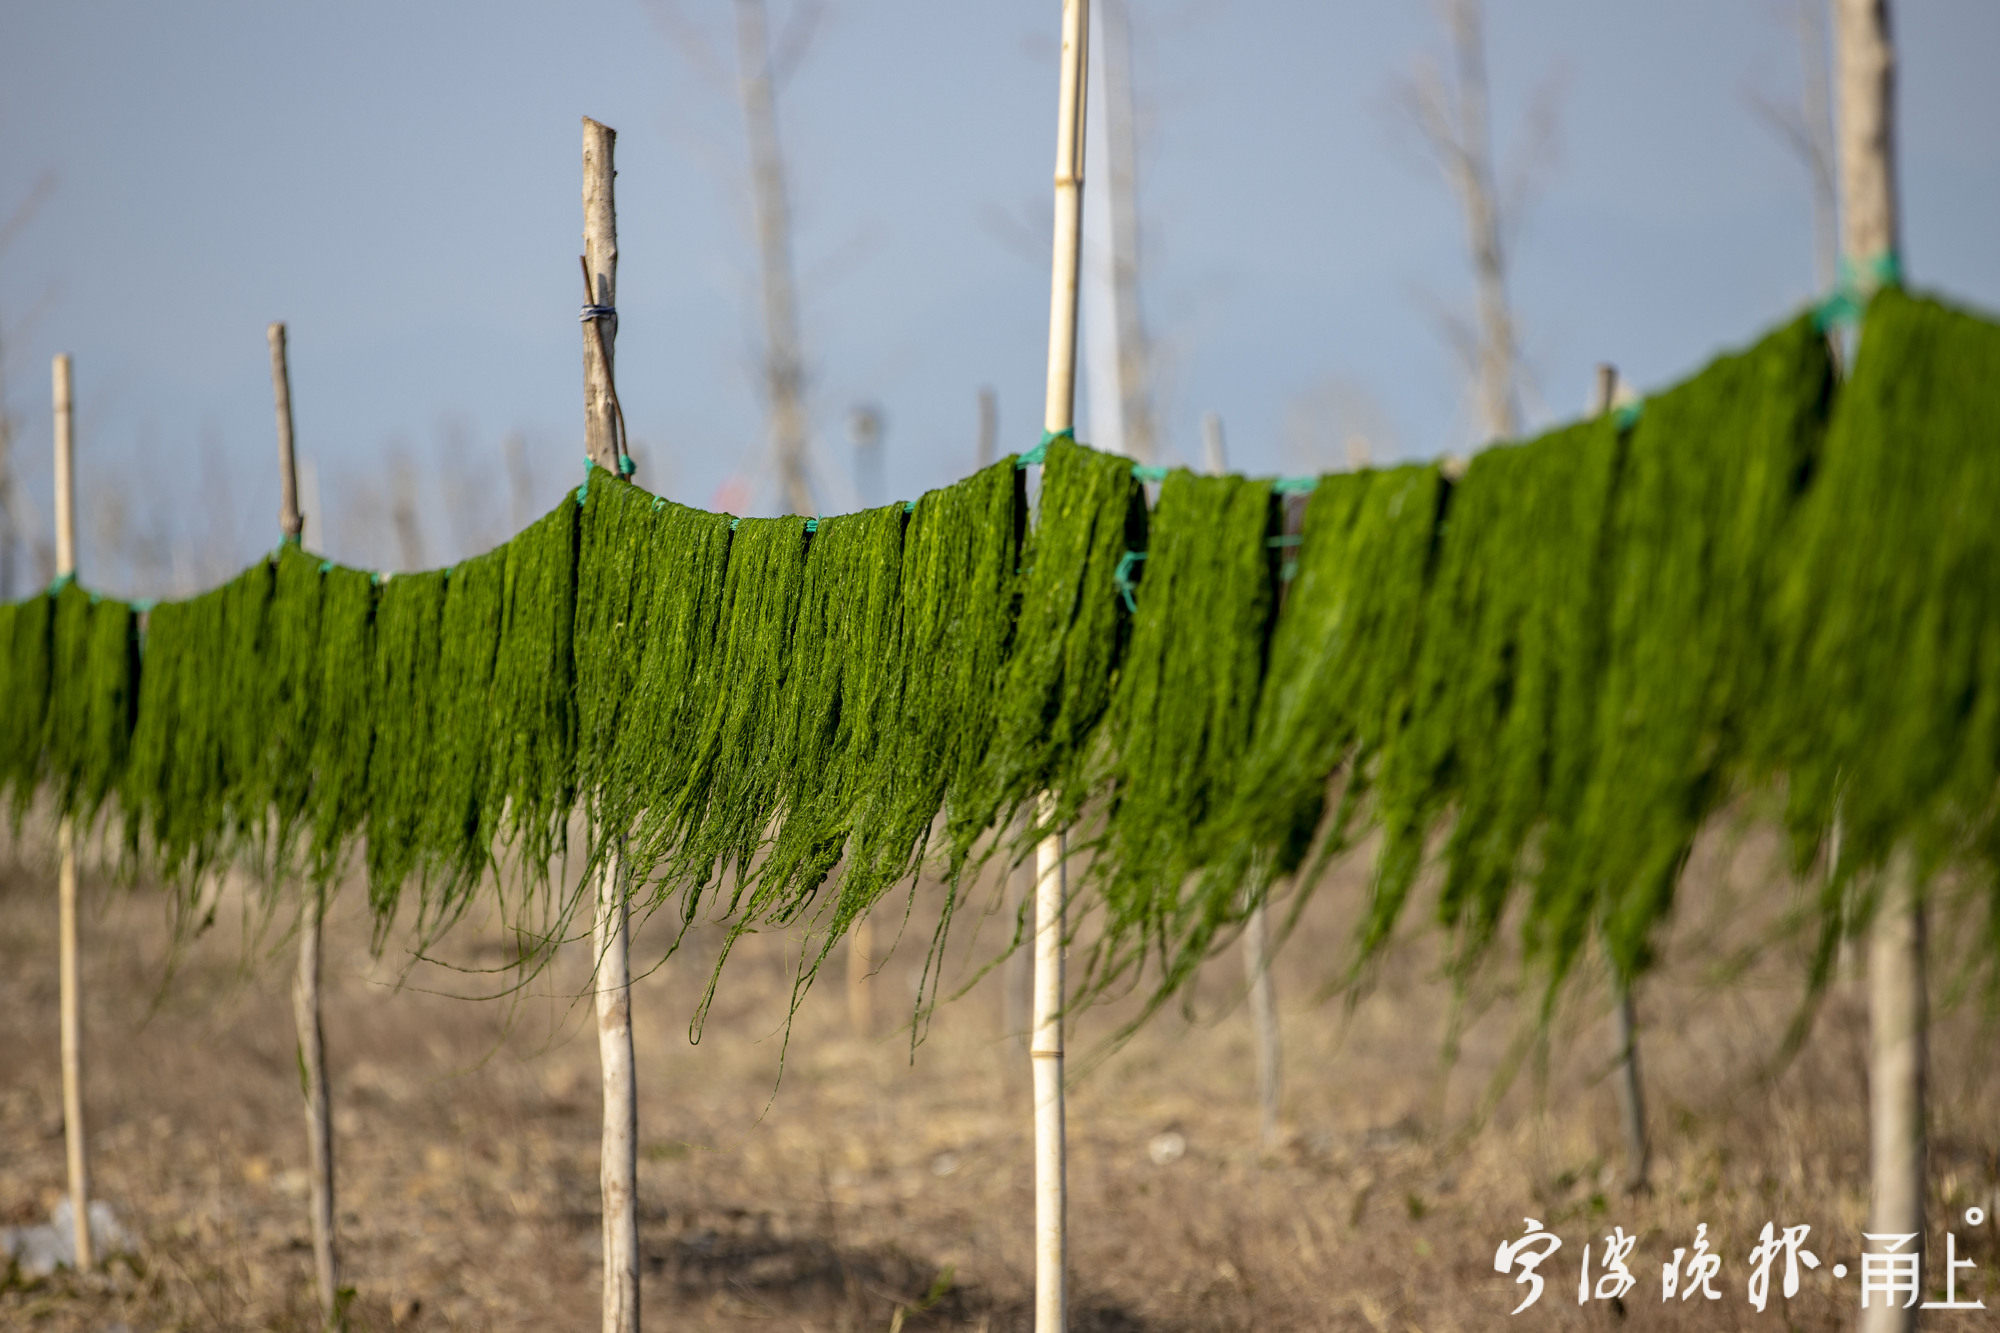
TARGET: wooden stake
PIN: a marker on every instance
(306, 986)
(1045, 1046)
(618, 1164)
(70, 997)
(1265, 1036)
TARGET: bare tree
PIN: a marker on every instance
(13, 521)
(784, 365)
(1119, 354)
(1451, 111)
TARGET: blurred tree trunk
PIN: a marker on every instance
(784, 366)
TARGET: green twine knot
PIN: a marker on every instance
(1146, 472)
(1294, 485)
(812, 525)
(1041, 451)
(1122, 576)
(626, 467)
(61, 581)
(1626, 415)
(1858, 281)
(141, 605)
(326, 566)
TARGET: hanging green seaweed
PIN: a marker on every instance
(1712, 473)
(409, 617)
(1504, 676)
(838, 699)
(196, 788)
(90, 709)
(293, 666)
(459, 814)
(645, 691)
(959, 596)
(344, 720)
(713, 816)
(1070, 635)
(26, 648)
(1336, 690)
(1887, 710)
(533, 751)
(1181, 720)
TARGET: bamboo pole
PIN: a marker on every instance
(306, 985)
(618, 1165)
(70, 995)
(1865, 65)
(1045, 1046)
(1265, 1036)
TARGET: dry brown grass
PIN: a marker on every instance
(467, 1132)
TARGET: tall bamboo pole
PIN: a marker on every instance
(70, 998)
(1865, 63)
(618, 1166)
(1045, 1046)
(306, 987)
(1265, 1036)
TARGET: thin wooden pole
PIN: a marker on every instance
(70, 997)
(1045, 1046)
(1624, 1016)
(618, 1165)
(306, 985)
(1865, 64)
(1265, 1035)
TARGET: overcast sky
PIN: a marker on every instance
(399, 182)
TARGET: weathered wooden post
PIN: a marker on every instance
(618, 1167)
(1045, 1046)
(70, 999)
(312, 908)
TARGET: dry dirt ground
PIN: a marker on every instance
(864, 1192)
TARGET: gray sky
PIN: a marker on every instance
(399, 182)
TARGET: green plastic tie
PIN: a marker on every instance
(1122, 576)
(1844, 306)
(1041, 451)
